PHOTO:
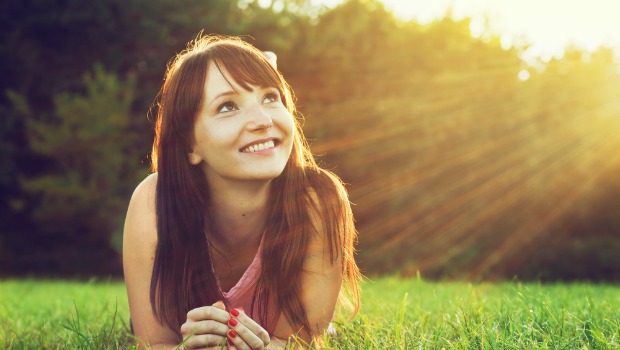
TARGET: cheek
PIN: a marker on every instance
(292, 130)
(210, 134)
(288, 123)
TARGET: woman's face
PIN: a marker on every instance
(239, 134)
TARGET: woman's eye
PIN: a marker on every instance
(271, 97)
(228, 106)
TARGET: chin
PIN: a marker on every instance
(265, 174)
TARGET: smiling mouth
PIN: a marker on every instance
(260, 146)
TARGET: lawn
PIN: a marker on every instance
(396, 314)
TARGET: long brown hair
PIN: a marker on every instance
(183, 275)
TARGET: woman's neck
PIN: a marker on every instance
(239, 211)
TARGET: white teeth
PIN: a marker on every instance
(260, 147)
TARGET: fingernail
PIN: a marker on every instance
(234, 312)
(232, 333)
(232, 322)
(230, 343)
(241, 308)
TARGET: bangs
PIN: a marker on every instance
(246, 66)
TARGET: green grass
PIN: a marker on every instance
(63, 315)
(396, 314)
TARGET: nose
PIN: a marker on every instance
(259, 119)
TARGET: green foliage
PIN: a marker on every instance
(457, 168)
(396, 314)
(495, 316)
(83, 196)
(63, 315)
(10, 122)
(89, 143)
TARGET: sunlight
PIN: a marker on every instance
(531, 182)
(465, 169)
(423, 12)
(524, 74)
(549, 26)
(488, 162)
(552, 25)
(476, 27)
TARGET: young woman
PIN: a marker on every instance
(238, 238)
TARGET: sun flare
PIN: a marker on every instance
(547, 27)
(469, 170)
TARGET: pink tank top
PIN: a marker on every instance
(240, 295)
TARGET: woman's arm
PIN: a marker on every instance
(204, 326)
(321, 281)
(139, 243)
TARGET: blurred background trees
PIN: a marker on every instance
(461, 160)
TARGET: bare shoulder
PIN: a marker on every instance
(327, 189)
(328, 210)
(328, 200)
(139, 246)
(140, 223)
(145, 191)
(315, 212)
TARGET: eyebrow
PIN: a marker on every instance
(225, 93)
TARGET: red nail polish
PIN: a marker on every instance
(232, 333)
(232, 322)
(230, 343)
(234, 312)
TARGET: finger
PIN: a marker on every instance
(204, 327)
(234, 340)
(243, 337)
(205, 341)
(251, 325)
(208, 313)
(219, 305)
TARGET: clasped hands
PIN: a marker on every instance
(212, 327)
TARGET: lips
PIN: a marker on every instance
(260, 145)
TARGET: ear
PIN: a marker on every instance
(193, 157)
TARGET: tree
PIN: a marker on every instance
(93, 155)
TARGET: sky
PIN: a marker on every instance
(548, 26)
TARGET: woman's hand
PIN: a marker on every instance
(244, 333)
(205, 327)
